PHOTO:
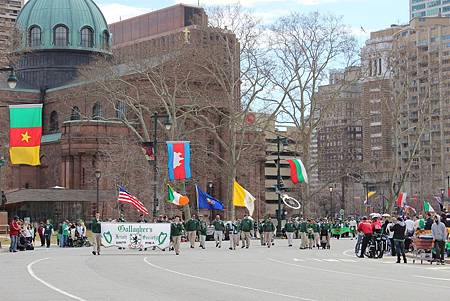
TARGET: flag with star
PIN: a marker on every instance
(25, 134)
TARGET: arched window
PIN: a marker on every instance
(54, 126)
(105, 40)
(61, 36)
(75, 114)
(97, 112)
(121, 110)
(87, 37)
(34, 37)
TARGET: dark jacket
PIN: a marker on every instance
(399, 230)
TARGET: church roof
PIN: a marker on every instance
(72, 14)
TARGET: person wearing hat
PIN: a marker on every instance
(399, 230)
(366, 228)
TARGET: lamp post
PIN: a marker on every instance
(331, 201)
(12, 78)
(167, 125)
(284, 142)
(210, 191)
(98, 175)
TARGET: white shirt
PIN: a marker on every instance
(353, 223)
(409, 225)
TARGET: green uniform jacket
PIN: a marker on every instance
(218, 225)
(202, 228)
(316, 228)
(192, 225)
(96, 226)
(289, 227)
(176, 229)
(268, 226)
(246, 225)
(302, 227)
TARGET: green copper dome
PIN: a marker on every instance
(63, 24)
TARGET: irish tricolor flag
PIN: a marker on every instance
(401, 200)
(176, 198)
(427, 207)
(298, 171)
(25, 133)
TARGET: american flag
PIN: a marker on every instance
(125, 197)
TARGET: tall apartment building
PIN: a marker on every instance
(8, 15)
(429, 8)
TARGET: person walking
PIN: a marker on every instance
(246, 228)
(14, 230)
(353, 224)
(440, 236)
(268, 229)
(366, 228)
(399, 230)
(48, 232)
(302, 228)
(191, 228)
(202, 231)
(176, 230)
(97, 231)
(64, 234)
(40, 232)
(316, 233)
(219, 227)
(234, 234)
(261, 232)
(289, 228)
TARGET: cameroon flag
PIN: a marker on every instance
(25, 133)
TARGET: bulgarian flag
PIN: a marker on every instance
(176, 198)
(25, 134)
(298, 171)
(427, 207)
(401, 199)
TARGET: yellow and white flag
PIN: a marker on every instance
(243, 198)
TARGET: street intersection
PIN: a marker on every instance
(258, 273)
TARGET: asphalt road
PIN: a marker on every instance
(259, 273)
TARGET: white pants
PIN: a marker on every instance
(304, 239)
(247, 236)
(192, 235)
(234, 240)
(218, 237)
(290, 237)
(317, 239)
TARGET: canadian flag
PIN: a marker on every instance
(401, 200)
(179, 160)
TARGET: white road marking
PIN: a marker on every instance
(432, 278)
(330, 260)
(439, 268)
(349, 260)
(226, 283)
(296, 259)
(354, 274)
(50, 286)
(345, 253)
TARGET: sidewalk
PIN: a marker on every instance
(411, 256)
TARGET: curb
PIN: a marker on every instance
(409, 255)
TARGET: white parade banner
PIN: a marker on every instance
(135, 235)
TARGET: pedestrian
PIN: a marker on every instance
(353, 224)
(40, 231)
(97, 232)
(63, 234)
(390, 234)
(219, 227)
(176, 230)
(234, 233)
(191, 228)
(202, 231)
(14, 230)
(316, 231)
(399, 230)
(268, 229)
(429, 221)
(261, 232)
(289, 228)
(302, 228)
(48, 232)
(366, 228)
(246, 228)
(310, 233)
(325, 229)
(440, 236)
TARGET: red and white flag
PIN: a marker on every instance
(179, 160)
(126, 198)
(401, 200)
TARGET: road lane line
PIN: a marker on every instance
(50, 286)
(352, 274)
(432, 278)
(225, 283)
(345, 253)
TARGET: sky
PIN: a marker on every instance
(371, 15)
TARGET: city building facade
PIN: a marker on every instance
(429, 8)
(8, 15)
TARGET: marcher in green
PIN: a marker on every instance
(289, 228)
(97, 231)
(202, 231)
(261, 232)
(268, 229)
(316, 230)
(191, 228)
(310, 233)
(219, 227)
(325, 229)
(176, 230)
(246, 227)
(302, 228)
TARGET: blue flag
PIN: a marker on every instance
(205, 201)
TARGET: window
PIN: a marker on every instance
(121, 110)
(105, 40)
(87, 37)
(54, 126)
(97, 112)
(34, 38)
(61, 36)
(75, 114)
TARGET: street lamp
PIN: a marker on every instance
(331, 201)
(284, 142)
(98, 175)
(167, 126)
(210, 191)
